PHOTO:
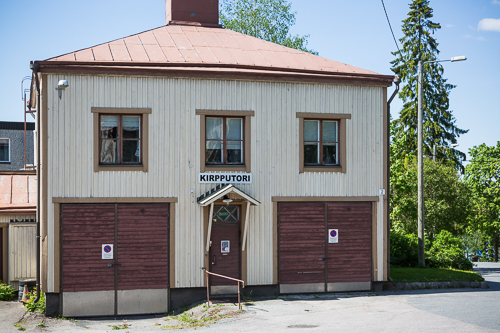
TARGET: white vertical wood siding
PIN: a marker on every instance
(22, 251)
(174, 152)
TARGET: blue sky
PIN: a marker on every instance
(353, 32)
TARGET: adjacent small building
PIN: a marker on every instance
(12, 145)
(17, 226)
(190, 146)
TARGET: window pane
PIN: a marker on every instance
(217, 216)
(4, 150)
(311, 130)
(109, 126)
(234, 129)
(214, 128)
(131, 127)
(131, 151)
(311, 153)
(329, 131)
(330, 154)
(109, 151)
(234, 152)
(214, 152)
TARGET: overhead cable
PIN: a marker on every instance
(390, 26)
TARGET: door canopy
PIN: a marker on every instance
(222, 190)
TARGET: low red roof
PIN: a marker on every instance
(176, 46)
(17, 194)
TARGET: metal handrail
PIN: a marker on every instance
(225, 277)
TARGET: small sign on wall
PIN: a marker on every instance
(333, 235)
(107, 251)
(224, 246)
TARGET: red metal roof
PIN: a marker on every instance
(17, 194)
(175, 45)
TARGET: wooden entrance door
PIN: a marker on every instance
(134, 279)
(225, 249)
(309, 262)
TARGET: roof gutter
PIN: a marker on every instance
(34, 67)
(397, 81)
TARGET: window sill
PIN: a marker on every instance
(5, 162)
(324, 169)
(209, 168)
(121, 168)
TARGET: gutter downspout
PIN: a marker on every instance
(397, 81)
(34, 68)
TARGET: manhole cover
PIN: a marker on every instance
(303, 326)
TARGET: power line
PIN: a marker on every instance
(390, 26)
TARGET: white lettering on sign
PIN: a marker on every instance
(107, 251)
(333, 235)
(229, 178)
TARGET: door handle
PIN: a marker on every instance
(111, 265)
(213, 262)
(324, 258)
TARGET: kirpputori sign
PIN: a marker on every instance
(224, 178)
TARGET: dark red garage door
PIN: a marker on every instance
(139, 234)
(308, 262)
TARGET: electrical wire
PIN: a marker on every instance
(390, 26)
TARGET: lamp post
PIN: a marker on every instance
(453, 145)
(421, 240)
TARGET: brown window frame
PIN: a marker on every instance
(144, 125)
(341, 119)
(246, 115)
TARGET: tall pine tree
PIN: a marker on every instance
(438, 122)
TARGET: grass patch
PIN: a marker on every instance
(433, 275)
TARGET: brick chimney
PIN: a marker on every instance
(192, 12)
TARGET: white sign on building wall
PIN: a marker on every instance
(224, 178)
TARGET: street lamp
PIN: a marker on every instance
(421, 240)
(453, 145)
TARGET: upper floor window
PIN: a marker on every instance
(224, 140)
(321, 142)
(120, 139)
(4, 150)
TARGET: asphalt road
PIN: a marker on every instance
(453, 310)
(457, 310)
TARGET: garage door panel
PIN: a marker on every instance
(81, 247)
(302, 243)
(142, 246)
(351, 256)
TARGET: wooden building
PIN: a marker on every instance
(17, 226)
(191, 146)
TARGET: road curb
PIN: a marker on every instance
(433, 285)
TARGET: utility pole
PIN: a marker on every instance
(421, 207)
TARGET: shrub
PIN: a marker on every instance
(404, 249)
(31, 306)
(6, 292)
(446, 251)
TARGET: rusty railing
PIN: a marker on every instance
(225, 277)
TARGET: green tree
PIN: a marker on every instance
(438, 121)
(483, 175)
(447, 199)
(265, 19)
